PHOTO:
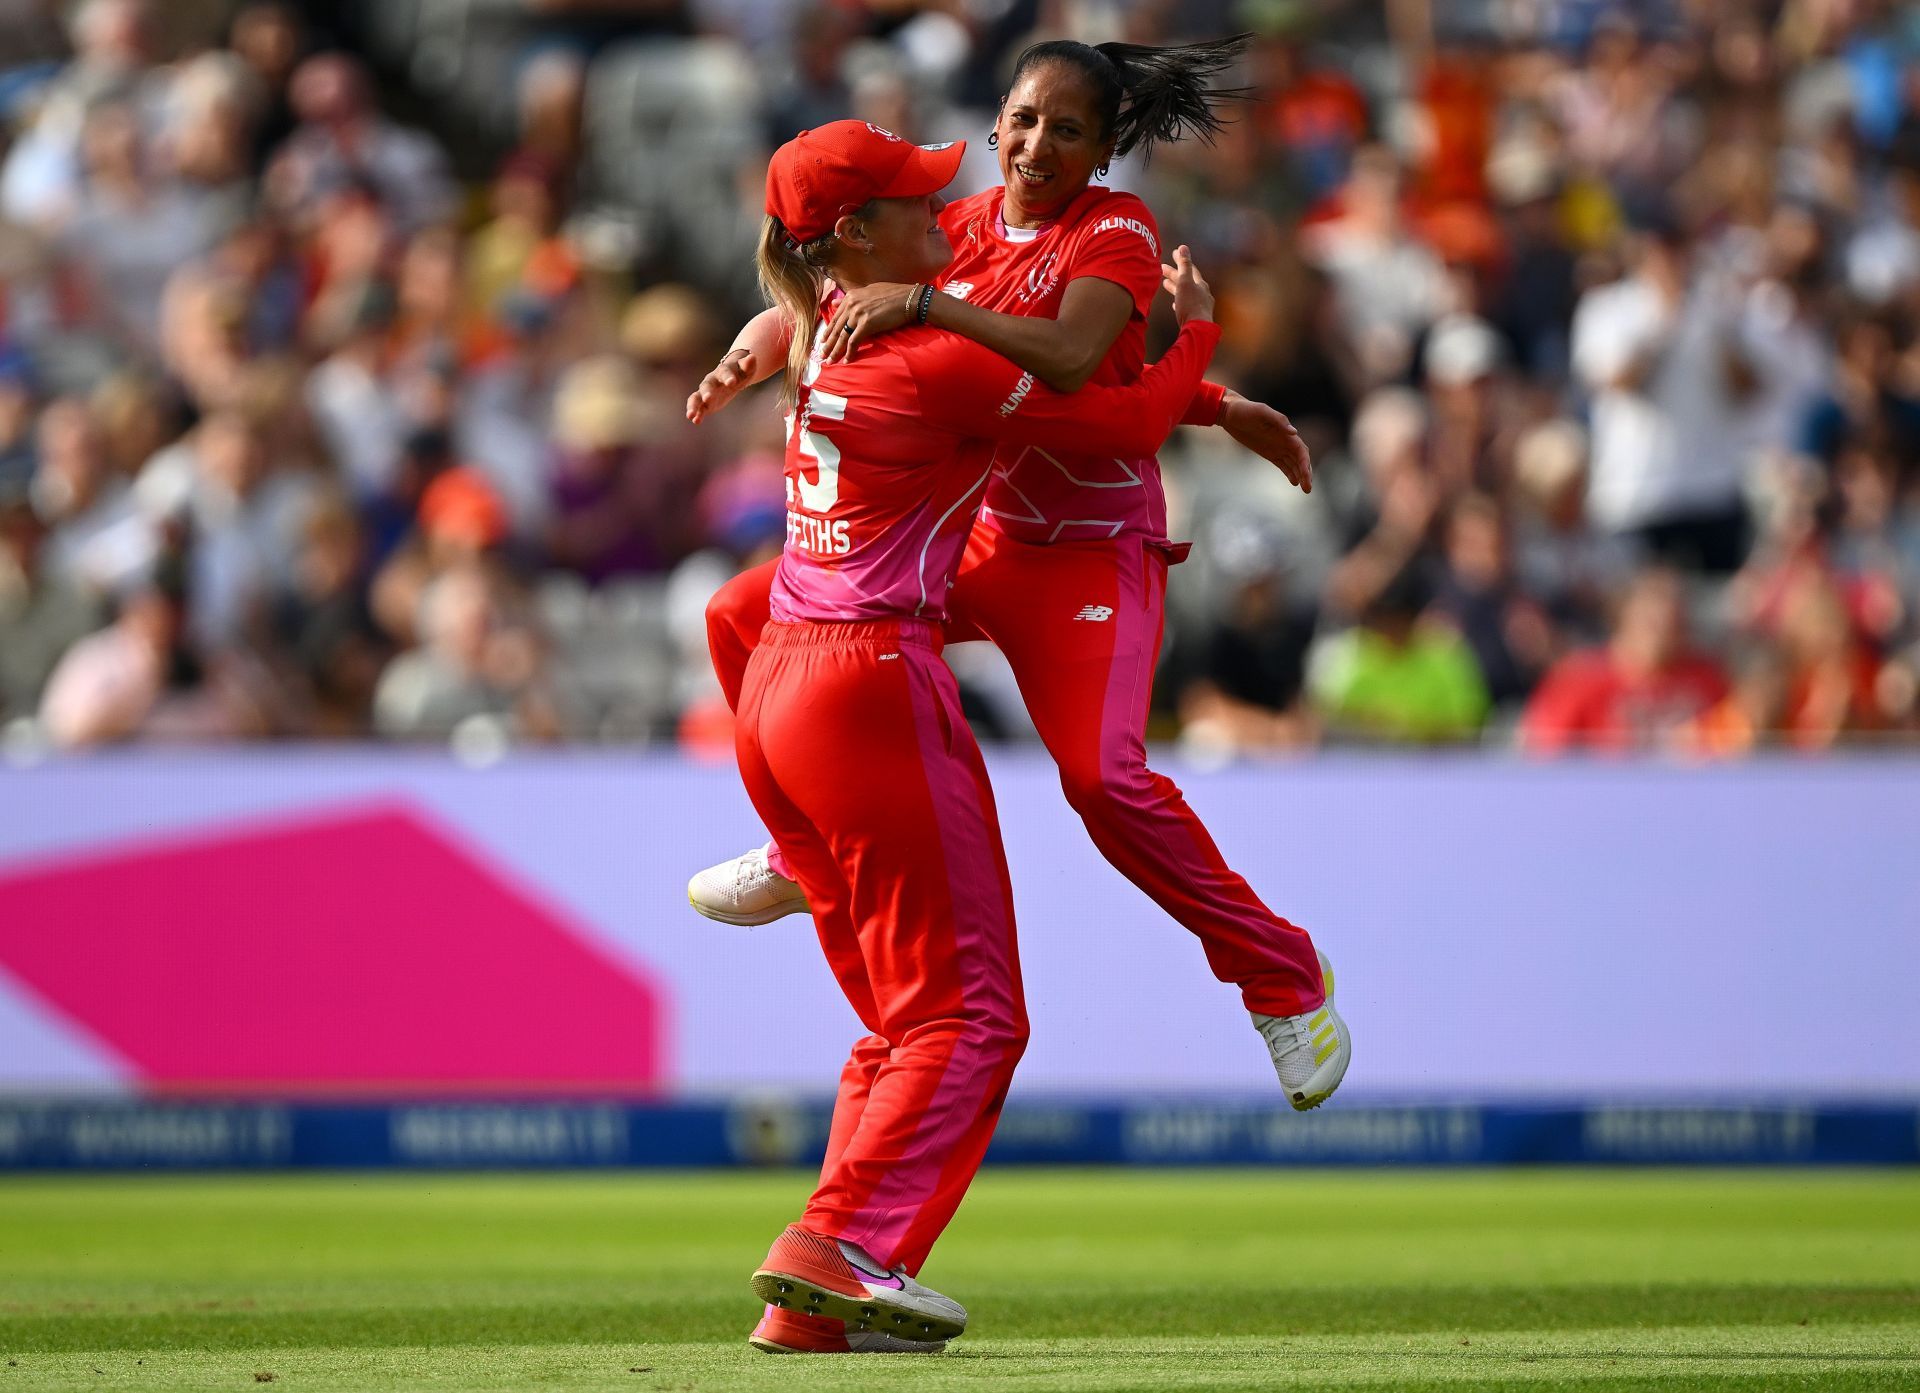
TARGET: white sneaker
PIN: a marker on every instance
(1311, 1051)
(745, 890)
(821, 1276)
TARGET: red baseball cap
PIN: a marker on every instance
(824, 173)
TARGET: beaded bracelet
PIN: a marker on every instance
(925, 307)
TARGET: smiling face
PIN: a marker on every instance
(903, 242)
(1051, 141)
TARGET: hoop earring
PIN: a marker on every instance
(993, 140)
(1101, 172)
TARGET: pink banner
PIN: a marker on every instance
(360, 952)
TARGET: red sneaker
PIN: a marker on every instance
(820, 1276)
(789, 1332)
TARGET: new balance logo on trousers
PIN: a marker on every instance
(1095, 614)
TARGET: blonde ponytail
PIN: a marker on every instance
(794, 287)
(793, 277)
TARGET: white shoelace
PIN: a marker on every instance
(751, 871)
(1290, 1039)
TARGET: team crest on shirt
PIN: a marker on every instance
(1041, 279)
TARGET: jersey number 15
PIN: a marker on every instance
(821, 495)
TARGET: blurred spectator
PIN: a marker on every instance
(1535, 298)
(1462, 363)
(213, 104)
(351, 401)
(1640, 692)
(1389, 286)
(136, 417)
(504, 410)
(1390, 525)
(1620, 114)
(1308, 109)
(1832, 675)
(324, 623)
(1476, 590)
(203, 342)
(669, 334)
(256, 264)
(130, 226)
(1281, 339)
(1883, 258)
(1397, 679)
(1671, 383)
(270, 38)
(31, 35)
(1868, 397)
(814, 91)
(141, 676)
(619, 506)
(475, 664)
(1793, 544)
(521, 248)
(239, 518)
(1251, 671)
(433, 321)
(97, 539)
(41, 614)
(551, 94)
(353, 244)
(1785, 336)
(1876, 557)
(343, 141)
(460, 521)
(16, 423)
(1749, 716)
(1564, 562)
(42, 179)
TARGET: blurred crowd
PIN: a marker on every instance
(343, 351)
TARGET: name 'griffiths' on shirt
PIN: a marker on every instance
(820, 536)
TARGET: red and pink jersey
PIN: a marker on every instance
(1042, 493)
(888, 455)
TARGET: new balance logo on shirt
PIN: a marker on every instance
(1095, 614)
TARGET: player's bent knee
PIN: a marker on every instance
(726, 617)
(1014, 1039)
(1092, 788)
(997, 1034)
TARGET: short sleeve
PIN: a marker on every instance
(1120, 242)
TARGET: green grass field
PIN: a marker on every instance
(1076, 1280)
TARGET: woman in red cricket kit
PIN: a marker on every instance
(1066, 570)
(850, 737)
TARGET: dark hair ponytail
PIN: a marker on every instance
(1145, 94)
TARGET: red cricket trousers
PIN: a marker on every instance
(854, 752)
(1081, 625)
